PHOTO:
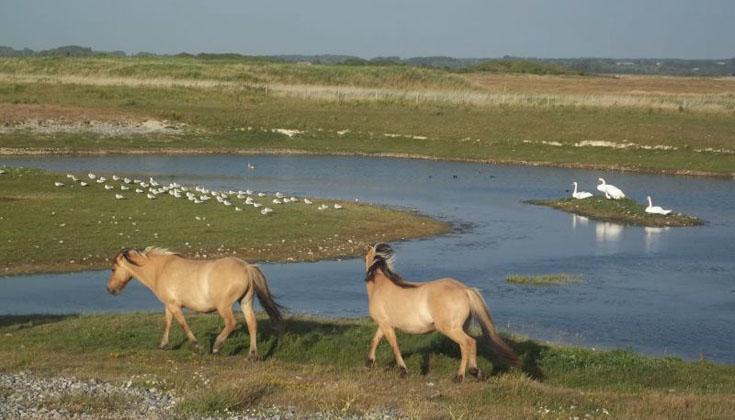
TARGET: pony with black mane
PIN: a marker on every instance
(445, 305)
(200, 285)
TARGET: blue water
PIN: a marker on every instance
(660, 291)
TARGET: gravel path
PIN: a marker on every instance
(24, 395)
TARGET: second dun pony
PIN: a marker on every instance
(443, 305)
(199, 285)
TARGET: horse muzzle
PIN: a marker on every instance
(113, 292)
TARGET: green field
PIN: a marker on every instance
(667, 125)
(317, 367)
(49, 228)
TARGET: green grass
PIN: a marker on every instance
(47, 228)
(544, 279)
(317, 366)
(532, 131)
(625, 211)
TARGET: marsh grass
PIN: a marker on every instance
(46, 228)
(535, 120)
(317, 366)
(544, 279)
(624, 211)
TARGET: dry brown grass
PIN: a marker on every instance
(657, 93)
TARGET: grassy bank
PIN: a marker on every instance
(318, 367)
(624, 211)
(666, 125)
(49, 228)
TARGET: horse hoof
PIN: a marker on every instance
(215, 351)
(255, 357)
(370, 363)
(163, 347)
(459, 379)
(403, 372)
(477, 373)
(196, 348)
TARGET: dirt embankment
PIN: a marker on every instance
(52, 119)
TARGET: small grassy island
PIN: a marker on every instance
(625, 211)
(54, 227)
(543, 279)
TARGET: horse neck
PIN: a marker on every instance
(147, 273)
(380, 280)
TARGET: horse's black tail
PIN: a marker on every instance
(264, 294)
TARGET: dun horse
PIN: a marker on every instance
(199, 285)
(445, 305)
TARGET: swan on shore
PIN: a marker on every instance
(611, 192)
(655, 209)
(580, 195)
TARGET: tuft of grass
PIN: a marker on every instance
(625, 211)
(96, 404)
(544, 279)
(316, 366)
(48, 228)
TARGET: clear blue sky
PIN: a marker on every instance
(368, 28)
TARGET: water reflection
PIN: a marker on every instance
(608, 232)
(581, 220)
(653, 237)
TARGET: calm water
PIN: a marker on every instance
(661, 291)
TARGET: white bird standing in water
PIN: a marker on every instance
(655, 209)
(611, 192)
(581, 194)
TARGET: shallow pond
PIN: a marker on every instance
(660, 291)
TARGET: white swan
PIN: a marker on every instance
(610, 191)
(655, 209)
(581, 194)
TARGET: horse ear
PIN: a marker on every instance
(134, 257)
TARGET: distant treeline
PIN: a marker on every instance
(507, 64)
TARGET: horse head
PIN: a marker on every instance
(121, 274)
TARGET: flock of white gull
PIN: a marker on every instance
(614, 193)
(194, 194)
